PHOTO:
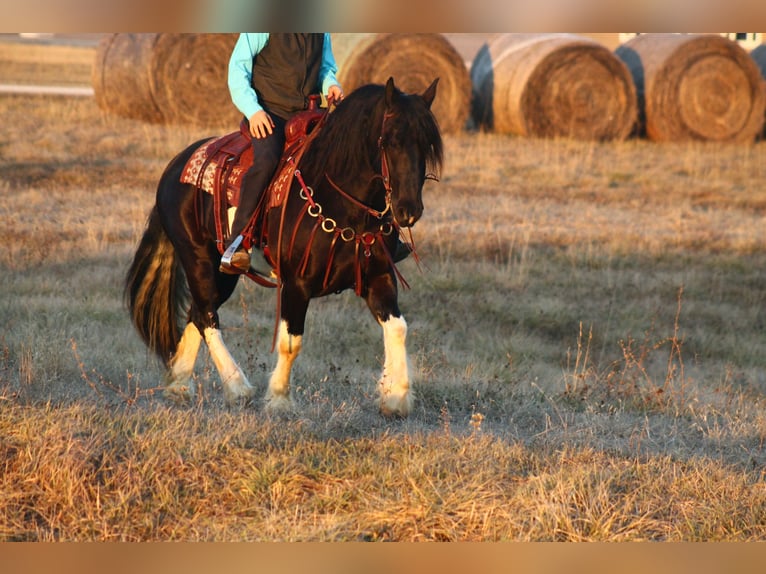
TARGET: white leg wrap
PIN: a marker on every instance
(178, 380)
(236, 387)
(394, 384)
(288, 348)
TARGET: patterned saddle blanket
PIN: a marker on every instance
(220, 163)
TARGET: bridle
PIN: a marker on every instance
(384, 175)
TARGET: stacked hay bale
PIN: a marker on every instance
(174, 78)
(123, 82)
(695, 87)
(414, 61)
(552, 85)
(191, 72)
(759, 56)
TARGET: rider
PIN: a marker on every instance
(270, 79)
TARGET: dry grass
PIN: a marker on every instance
(41, 64)
(586, 339)
(163, 474)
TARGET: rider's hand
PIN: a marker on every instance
(334, 94)
(261, 124)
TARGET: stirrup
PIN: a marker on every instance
(227, 255)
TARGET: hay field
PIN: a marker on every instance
(586, 339)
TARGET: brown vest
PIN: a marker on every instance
(286, 72)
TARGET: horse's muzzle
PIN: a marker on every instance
(407, 214)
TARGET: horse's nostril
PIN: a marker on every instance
(407, 215)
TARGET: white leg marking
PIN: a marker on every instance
(394, 384)
(178, 383)
(288, 348)
(236, 387)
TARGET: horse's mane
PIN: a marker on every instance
(346, 146)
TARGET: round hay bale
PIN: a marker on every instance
(759, 56)
(552, 85)
(414, 61)
(190, 77)
(122, 80)
(695, 87)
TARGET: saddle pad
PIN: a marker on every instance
(202, 170)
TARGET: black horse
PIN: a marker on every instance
(359, 181)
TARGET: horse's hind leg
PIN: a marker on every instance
(180, 208)
(236, 388)
(179, 386)
(178, 380)
(394, 385)
(209, 290)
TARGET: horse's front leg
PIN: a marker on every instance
(294, 305)
(394, 385)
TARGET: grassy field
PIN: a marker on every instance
(586, 338)
(41, 64)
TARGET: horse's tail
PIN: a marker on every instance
(155, 290)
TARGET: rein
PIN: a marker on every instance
(384, 176)
(374, 212)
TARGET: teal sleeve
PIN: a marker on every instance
(328, 69)
(240, 77)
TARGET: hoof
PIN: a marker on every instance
(239, 395)
(279, 405)
(181, 395)
(396, 407)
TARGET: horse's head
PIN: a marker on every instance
(379, 133)
(410, 148)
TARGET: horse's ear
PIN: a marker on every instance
(390, 92)
(430, 93)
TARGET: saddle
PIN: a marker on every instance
(219, 164)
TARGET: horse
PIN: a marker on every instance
(357, 187)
